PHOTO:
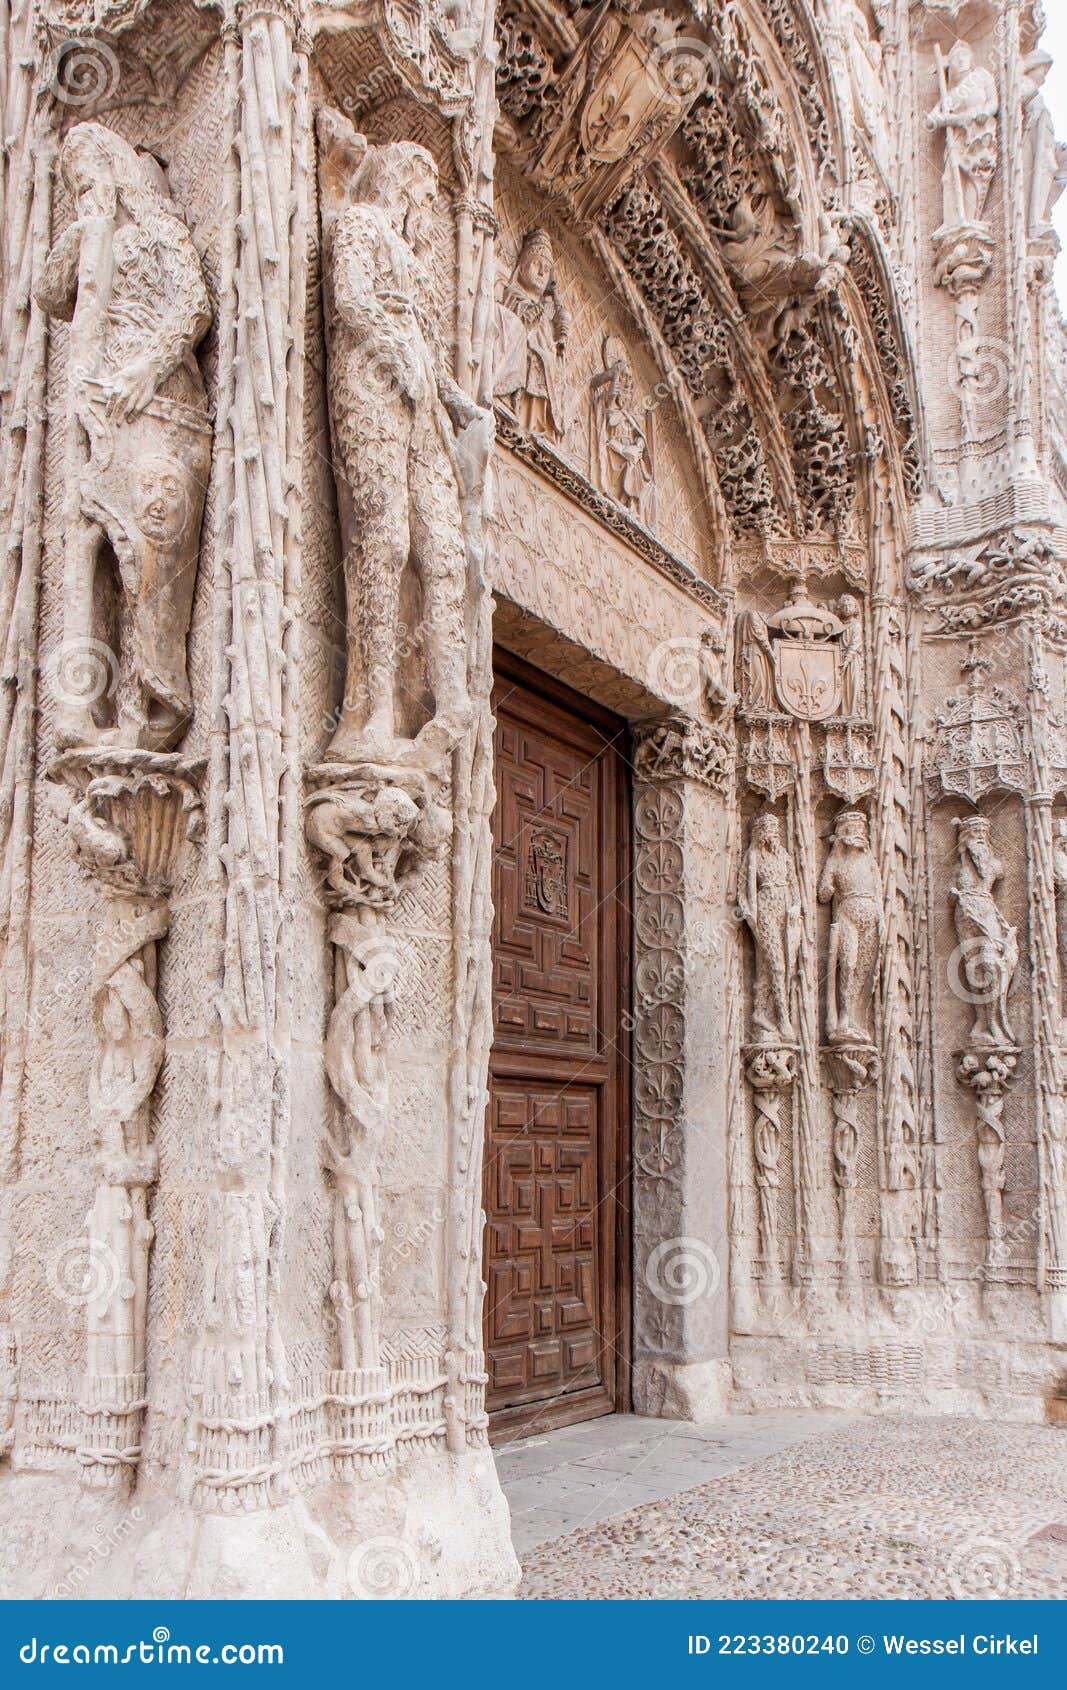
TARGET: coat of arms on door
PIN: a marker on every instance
(545, 888)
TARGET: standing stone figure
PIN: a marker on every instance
(621, 446)
(851, 884)
(394, 416)
(989, 945)
(126, 275)
(532, 326)
(769, 903)
(1046, 158)
(967, 112)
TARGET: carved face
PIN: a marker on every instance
(535, 266)
(420, 192)
(765, 832)
(848, 607)
(162, 504)
(852, 830)
(960, 60)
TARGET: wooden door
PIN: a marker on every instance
(557, 1142)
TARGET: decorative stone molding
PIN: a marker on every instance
(683, 749)
(852, 1067)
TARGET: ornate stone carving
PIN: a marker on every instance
(532, 325)
(851, 884)
(1046, 158)
(989, 945)
(682, 749)
(1015, 574)
(966, 114)
(852, 1068)
(771, 1072)
(620, 438)
(129, 814)
(848, 766)
(1059, 881)
(978, 744)
(127, 277)
(792, 660)
(402, 435)
(768, 902)
(988, 1074)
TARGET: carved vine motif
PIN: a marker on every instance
(852, 1069)
(771, 1071)
(1018, 574)
(127, 277)
(129, 814)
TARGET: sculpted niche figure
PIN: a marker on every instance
(621, 446)
(769, 904)
(532, 326)
(407, 441)
(851, 884)
(967, 113)
(1046, 157)
(989, 945)
(126, 275)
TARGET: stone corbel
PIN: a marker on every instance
(680, 748)
(129, 815)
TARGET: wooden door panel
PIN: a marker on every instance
(555, 1154)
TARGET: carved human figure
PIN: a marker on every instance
(867, 75)
(853, 687)
(720, 700)
(967, 114)
(126, 275)
(988, 944)
(1046, 158)
(758, 662)
(851, 885)
(621, 439)
(769, 904)
(395, 415)
(532, 326)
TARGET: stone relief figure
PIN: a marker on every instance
(1046, 158)
(851, 885)
(967, 113)
(404, 436)
(532, 326)
(758, 663)
(853, 683)
(620, 451)
(126, 275)
(989, 945)
(769, 905)
(867, 75)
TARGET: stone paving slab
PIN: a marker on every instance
(561, 1481)
(904, 1508)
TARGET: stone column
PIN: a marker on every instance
(682, 939)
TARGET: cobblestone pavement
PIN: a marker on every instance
(876, 1508)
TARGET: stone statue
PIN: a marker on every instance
(395, 417)
(1046, 158)
(126, 275)
(851, 884)
(769, 904)
(532, 326)
(621, 444)
(989, 945)
(853, 686)
(967, 113)
(758, 661)
(867, 75)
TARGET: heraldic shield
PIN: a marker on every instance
(807, 677)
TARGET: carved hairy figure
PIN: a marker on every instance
(851, 884)
(126, 275)
(394, 415)
(769, 903)
(989, 945)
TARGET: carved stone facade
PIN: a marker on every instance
(706, 359)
